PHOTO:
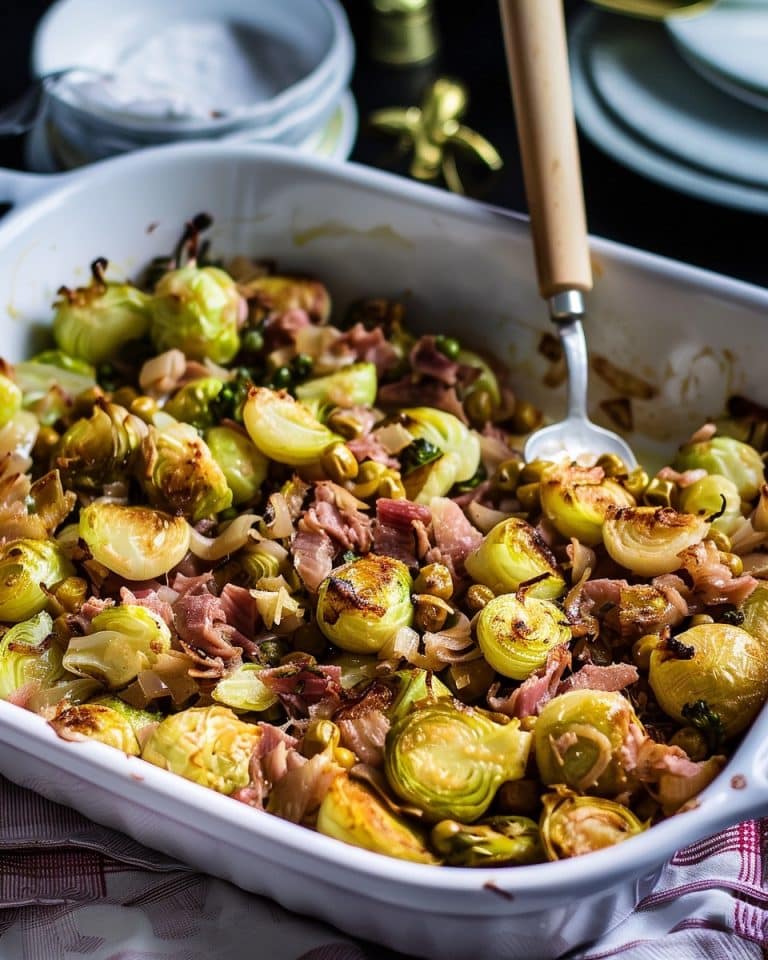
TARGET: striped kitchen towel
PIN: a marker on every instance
(70, 889)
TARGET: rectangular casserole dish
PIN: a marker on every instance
(463, 269)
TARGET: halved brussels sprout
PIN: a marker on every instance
(96, 721)
(450, 762)
(354, 385)
(492, 843)
(283, 429)
(207, 745)
(364, 602)
(95, 322)
(487, 380)
(577, 499)
(136, 717)
(121, 642)
(755, 611)
(49, 383)
(351, 813)
(10, 399)
(29, 571)
(647, 540)
(19, 435)
(192, 402)
(26, 655)
(513, 553)
(517, 633)
(578, 741)
(99, 450)
(137, 543)
(714, 497)
(179, 472)
(414, 688)
(720, 664)
(197, 310)
(241, 463)
(572, 825)
(459, 444)
(737, 461)
(243, 690)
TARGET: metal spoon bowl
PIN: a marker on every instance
(576, 437)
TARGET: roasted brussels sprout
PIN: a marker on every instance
(578, 741)
(192, 402)
(572, 825)
(243, 690)
(577, 499)
(179, 472)
(29, 571)
(412, 689)
(716, 499)
(513, 553)
(10, 399)
(95, 322)
(459, 444)
(516, 633)
(49, 383)
(207, 745)
(351, 813)
(737, 461)
(96, 721)
(755, 613)
(137, 543)
(491, 843)
(283, 429)
(362, 604)
(648, 540)
(718, 663)
(198, 311)
(121, 641)
(99, 450)
(351, 386)
(449, 762)
(241, 463)
(27, 655)
(274, 293)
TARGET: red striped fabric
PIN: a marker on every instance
(70, 888)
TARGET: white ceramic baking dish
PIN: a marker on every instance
(465, 269)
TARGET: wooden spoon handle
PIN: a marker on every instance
(537, 56)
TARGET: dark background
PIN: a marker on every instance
(620, 204)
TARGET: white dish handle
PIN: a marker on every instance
(18, 188)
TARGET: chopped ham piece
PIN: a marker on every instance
(427, 360)
(370, 346)
(305, 690)
(280, 330)
(242, 617)
(684, 479)
(272, 758)
(365, 736)
(409, 392)
(152, 600)
(713, 581)
(533, 694)
(369, 447)
(611, 679)
(201, 624)
(393, 532)
(333, 513)
(454, 535)
(313, 552)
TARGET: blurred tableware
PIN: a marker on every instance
(46, 151)
(192, 69)
(651, 90)
(729, 47)
(656, 9)
(591, 35)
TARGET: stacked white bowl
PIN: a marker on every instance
(125, 76)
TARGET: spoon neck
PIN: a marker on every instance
(575, 350)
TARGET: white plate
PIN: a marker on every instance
(334, 141)
(626, 146)
(639, 75)
(731, 38)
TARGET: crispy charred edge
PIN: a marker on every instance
(342, 594)
(651, 519)
(79, 721)
(82, 296)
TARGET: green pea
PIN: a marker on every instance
(450, 346)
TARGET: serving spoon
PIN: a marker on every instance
(537, 58)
